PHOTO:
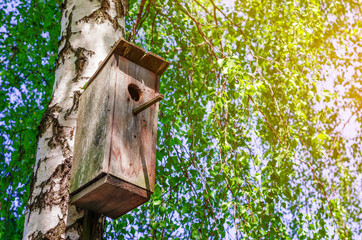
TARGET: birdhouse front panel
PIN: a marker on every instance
(134, 137)
(114, 162)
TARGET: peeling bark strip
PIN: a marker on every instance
(89, 29)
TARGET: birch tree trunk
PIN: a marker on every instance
(88, 31)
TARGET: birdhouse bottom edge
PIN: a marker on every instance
(110, 196)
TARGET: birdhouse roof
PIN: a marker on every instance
(136, 54)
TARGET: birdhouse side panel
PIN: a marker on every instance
(93, 134)
(133, 148)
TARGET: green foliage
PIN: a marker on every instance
(250, 144)
(28, 43)
(246, 149)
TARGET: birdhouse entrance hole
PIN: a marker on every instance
(135, 92)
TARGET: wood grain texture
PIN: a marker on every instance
(153, 63)
(130, 51)
(111, 197)
(134, 137)
(93, 133)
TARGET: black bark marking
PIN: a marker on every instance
(63, 5)
(98, 15)
(33, 181)
(59, 137)
(49, 197)
(51, 234)
(121, 8)
(82, 62)
(67, 46)
(101, 14)
(45, 122)
(75, 104)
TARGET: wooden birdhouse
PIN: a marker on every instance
(114, 162)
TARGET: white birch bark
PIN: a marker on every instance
(89, 28)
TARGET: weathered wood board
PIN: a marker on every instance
(133, 149)
(111, 196)
(114, 162)
(92, 141)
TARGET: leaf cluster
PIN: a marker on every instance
(250, 144)
(247, 143)
(28, 46)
